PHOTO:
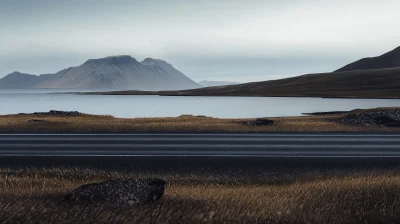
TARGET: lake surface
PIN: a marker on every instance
(29, 101)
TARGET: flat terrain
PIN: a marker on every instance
(379, 83)
(271, 145)
(85, 123)
(239, 194)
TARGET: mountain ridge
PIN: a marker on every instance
(390, 59)
(16, 80)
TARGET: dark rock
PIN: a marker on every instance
(259, 122)
(37, 121)
(123, 191)
(384, 118)
(191, 115)
(326, 113)
(56, 113)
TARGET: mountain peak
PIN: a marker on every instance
(115, 60)
(151, 61)
(17, 73)
(118, 57)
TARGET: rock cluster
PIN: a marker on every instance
(56, 113)
(384, 118)
(120, 192)
(191, 115)
(259, 122)
(37, 121)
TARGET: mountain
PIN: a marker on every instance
(115, 72)
(121, 72)
(17, 80)
(388, 60)
(378, 83)
(206, 83)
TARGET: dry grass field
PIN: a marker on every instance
(108, 124)
(35, 196)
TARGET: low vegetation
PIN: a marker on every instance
(84, 123)
(35, 195)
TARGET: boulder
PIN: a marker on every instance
(191, 115)
(259, 122)
(56, 113)
(122, 192)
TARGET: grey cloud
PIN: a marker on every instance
(205, 39)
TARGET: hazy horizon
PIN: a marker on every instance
(206, 40)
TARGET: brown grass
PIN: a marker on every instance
(35, 196)
(109, 124)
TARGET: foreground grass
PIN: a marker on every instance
(108, 124)
(316, 196)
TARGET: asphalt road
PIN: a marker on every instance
(274, 145)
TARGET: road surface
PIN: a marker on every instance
(272, 145)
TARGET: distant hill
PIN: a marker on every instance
(116, 72)
(17, 80)
(388, 60)
(206, 83)
(381, 83)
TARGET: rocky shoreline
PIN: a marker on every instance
(383, 118)
(360, 120)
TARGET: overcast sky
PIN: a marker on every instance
(231, 40)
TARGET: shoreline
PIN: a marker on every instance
(86, 123)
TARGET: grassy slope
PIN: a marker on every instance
(387, 60)
(383, 83)
(35, 195)
(109, 124)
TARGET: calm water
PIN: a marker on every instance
(28, 101)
